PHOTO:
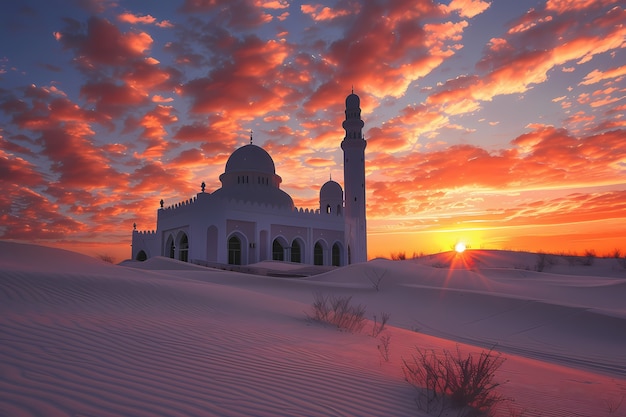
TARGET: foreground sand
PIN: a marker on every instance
(80, 337)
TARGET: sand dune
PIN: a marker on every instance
(81, 337)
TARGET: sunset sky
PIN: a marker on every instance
(500, 124)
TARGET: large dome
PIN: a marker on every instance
(250, 158)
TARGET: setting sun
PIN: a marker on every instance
(460, 247)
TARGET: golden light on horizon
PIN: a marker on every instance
(460, 247)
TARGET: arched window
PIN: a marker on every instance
(328, 209)
(141, 256)
(169, 247)
(234, 251)
(296, 255)
(336, 255)
(183, 248)
(278, 253)
(318, 254)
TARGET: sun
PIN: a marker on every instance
(460, 247)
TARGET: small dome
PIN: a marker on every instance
(353, 101)
(250, 158)
(331, 190)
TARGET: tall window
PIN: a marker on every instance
(296, 252)
(336, 255)
(278, 253)
(170, 247)
(234, 251)
(318, 254)
(183, 248)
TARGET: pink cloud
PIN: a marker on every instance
(514, 65)
(597, 76)
(320, 12)
(111, 98)
(468, 8)
(564, 6)
(135, 18)
(18, 171)
(103, 43)
(545, 157)
(144, 20)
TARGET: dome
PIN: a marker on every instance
(331, 190)
(250, 158)
(271, 196)
(353, 101)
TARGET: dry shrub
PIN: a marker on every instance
(383, 347)
(106, 258)
(377, 328)
(449, 380)
(339, 312)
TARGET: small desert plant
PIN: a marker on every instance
(544, 261)
(400, 256)
(450, 380)
(590, 257)
(376, 277)
(339, 312)
(106, 258)
(612, 405)
(383, 346)
(379, 327)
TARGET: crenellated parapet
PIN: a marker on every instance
(145, 232)
(181, 204)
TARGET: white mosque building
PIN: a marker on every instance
(250, 219)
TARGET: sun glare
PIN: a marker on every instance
(459, 247)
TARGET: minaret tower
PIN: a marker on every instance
(353, 146)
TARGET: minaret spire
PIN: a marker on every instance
(353, 146)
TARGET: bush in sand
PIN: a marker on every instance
(452, 381)
(339, 312)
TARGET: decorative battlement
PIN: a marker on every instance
(181, 204)
(145, 232)
(241, 205)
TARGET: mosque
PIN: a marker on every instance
(250, 219)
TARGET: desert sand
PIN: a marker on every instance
(81, 337)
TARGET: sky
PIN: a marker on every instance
(496, 123)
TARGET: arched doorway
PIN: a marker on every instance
(278, 251)
(318, 254)
(234, 250)
(141, 256)
(183, 248)
(296, 251)
(169, 247)
(336, 255)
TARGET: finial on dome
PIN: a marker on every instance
(331, 176)
(250, 136)
(352, 88)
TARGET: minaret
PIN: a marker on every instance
(353, 146)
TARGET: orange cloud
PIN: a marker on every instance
(597, 76)
(103, 43)
(468, 8)
(320, 12)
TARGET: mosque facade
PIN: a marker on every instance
(250, 219)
